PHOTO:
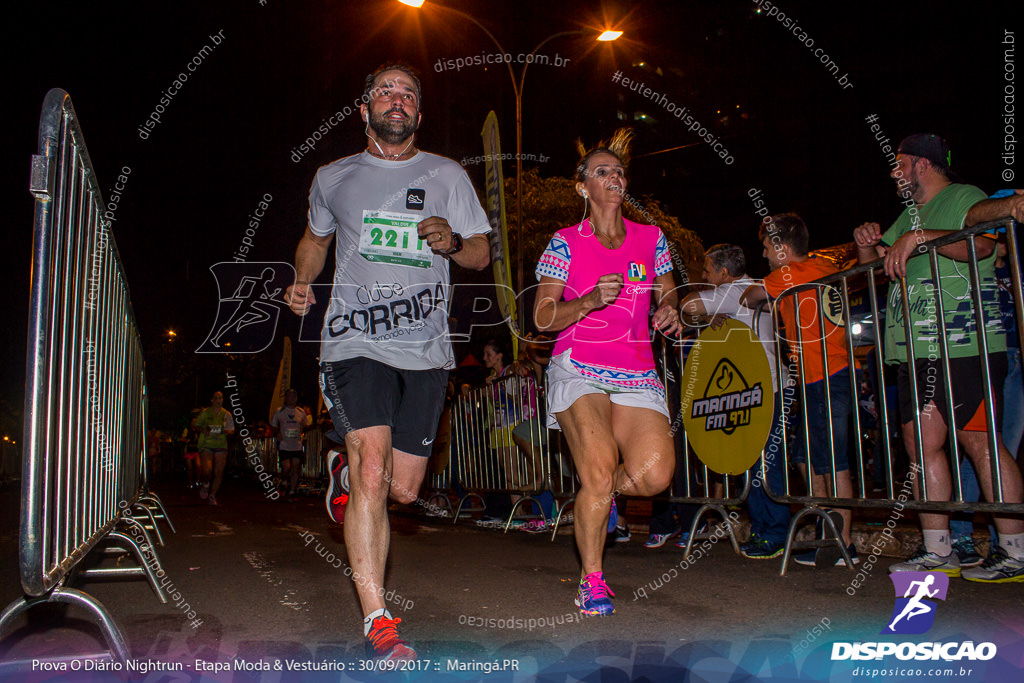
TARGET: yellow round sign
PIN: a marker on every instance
(727, 399)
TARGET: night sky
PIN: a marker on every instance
(228, 136)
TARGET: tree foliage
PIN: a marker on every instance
(550, 204)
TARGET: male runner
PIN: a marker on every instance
(400, 215)
(288, 423)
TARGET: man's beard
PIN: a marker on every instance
(912, 187)
(391, 132)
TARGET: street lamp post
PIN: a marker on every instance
(517, 90)
(519, 165)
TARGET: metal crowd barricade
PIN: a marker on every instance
(313, 474)
(439, 469)
(484, 455)
(83, 470)
(864, 276)
(486, 459)
(702, 490)
(693, 482)
(315, 467)
(266, 447)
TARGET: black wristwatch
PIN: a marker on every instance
(456, 244)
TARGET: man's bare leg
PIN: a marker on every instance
(976, 445)
(936, 464)
(821, 487)
(938, 551)
(367, 531)
(293, 479)
(376, 471)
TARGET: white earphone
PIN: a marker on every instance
(579, 228)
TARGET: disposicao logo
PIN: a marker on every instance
(914, 613)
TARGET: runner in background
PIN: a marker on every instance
(214, 424)
(288, 423)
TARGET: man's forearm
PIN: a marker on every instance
(475, 254)
(692, 312)
(867, 254)
(310, 257)
(958, 251)
(993, 209)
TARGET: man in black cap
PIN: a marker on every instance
(936, 206)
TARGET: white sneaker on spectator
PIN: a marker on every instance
(924, 561)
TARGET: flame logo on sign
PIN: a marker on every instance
(727, 400)
(725, 376)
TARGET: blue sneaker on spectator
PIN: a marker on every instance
(684, 537)
(760, 549)
(658, 540)
(620, 534)
(968, 554)
(806, 557)
(828, 555)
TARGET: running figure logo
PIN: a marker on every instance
(913, 613)
(247, 317)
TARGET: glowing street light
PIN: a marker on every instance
(608, 36)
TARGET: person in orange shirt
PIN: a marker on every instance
(785, 240)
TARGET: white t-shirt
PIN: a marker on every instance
(390, 296)
(289, 422)
(725, 300)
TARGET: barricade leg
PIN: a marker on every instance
(145, 568)
(832, 535)
(438, 510)
(117, 646)
(475, 508)
(515, 506)
(726, 520)
(560, 514)
(152, 520)
(152, 501)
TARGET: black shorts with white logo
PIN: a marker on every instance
(361, 393)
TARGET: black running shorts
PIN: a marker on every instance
(968, 389)
(288, 455)
(361, 393)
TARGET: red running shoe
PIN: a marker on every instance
(337, 489)
(386, 643)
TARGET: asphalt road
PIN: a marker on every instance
(268, 586)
